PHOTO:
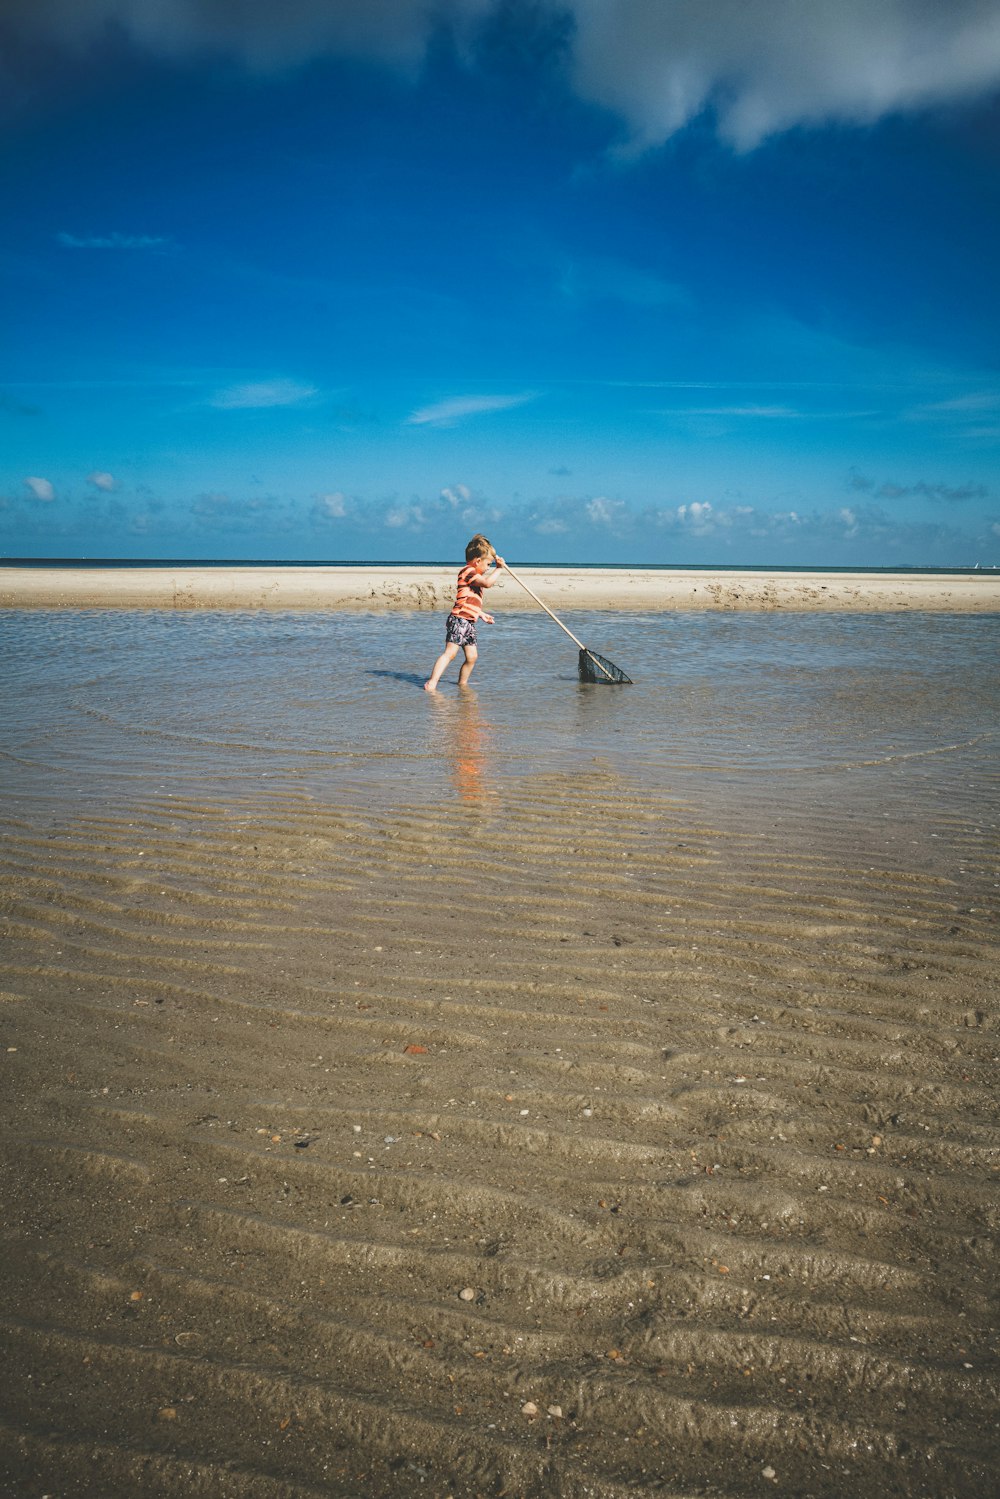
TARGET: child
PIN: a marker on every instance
(460, 630)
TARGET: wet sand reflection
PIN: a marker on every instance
(464, 740)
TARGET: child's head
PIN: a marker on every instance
(478, 547)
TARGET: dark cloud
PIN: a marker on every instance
(258, 33)
(354, 416)
(950, 493)
(761, 67)
(14, 407)
(218, 511)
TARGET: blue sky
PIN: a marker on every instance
(613, 280)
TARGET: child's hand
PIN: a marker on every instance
(488, 618)
(499, 562)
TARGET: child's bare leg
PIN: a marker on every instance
(448, 654)
(471, 655)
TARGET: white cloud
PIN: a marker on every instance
(447, 413)
(551, 527)
(42, 489)
(408, 517)
(102, 481)
(456, 495)
(604, 512)
(768, 65)
(264, 393)
(330, 506)
(697, 517)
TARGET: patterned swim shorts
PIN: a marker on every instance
(460, 631)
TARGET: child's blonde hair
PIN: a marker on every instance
(478, 547)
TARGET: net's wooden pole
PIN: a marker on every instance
(544, 606)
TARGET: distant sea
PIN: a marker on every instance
(654, 567)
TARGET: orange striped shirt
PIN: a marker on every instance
(469, 602)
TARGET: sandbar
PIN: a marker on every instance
(429, 587)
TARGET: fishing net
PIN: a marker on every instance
(595, 668)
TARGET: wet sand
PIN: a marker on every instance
(275, 587)
(626, 1151)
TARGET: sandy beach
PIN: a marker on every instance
(399, 1101)
(658, 1159)
(276, 587)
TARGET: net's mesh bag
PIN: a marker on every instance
(595, 668)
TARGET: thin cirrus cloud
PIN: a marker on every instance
(768, 413)
(607, 279)
(754, 411)
(457, 408)
(758, 67)
(973, 404)
(111, 241)
(262, 394)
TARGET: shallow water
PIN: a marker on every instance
(123, 705)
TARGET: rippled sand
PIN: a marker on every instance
(691, 1093)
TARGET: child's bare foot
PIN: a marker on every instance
(430, 687)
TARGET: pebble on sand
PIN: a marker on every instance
(467, 1295)
(529, 1408)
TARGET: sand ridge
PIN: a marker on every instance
(652, 1157)
(418, 587)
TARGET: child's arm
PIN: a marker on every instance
(487, 582)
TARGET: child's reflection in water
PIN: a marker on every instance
(465, 738)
